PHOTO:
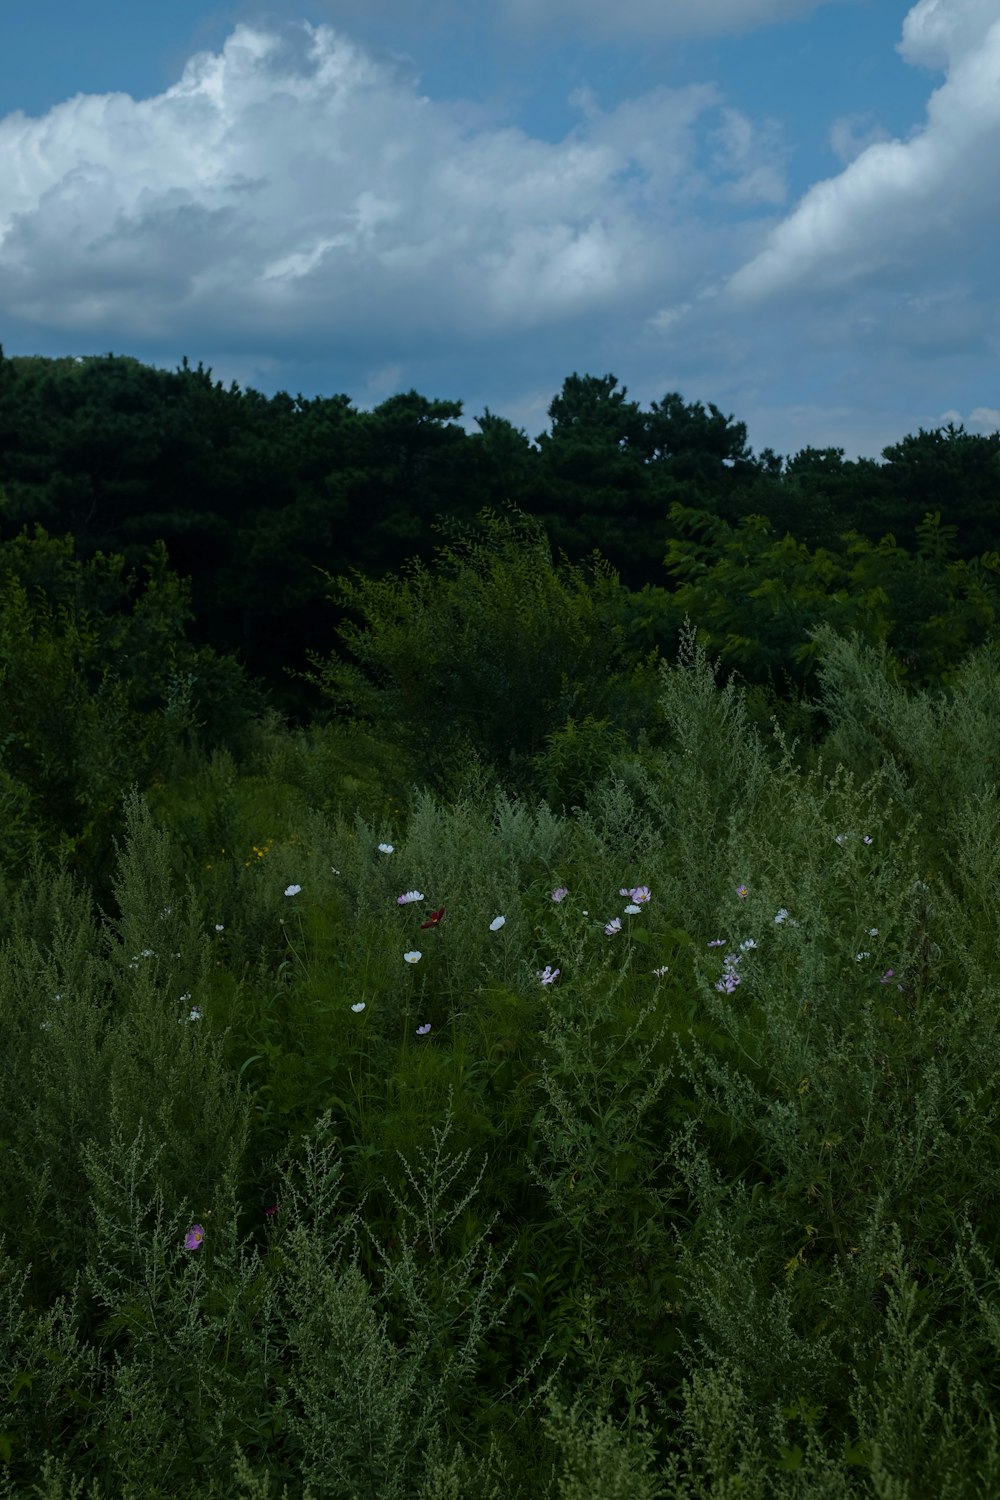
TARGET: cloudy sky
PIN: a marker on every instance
(788, 207)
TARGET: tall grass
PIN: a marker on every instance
(711, 1212)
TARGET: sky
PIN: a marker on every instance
(790, 208)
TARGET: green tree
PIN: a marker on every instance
(483, 655)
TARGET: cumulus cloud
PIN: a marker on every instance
(292, 188)
(902, 203)
(852, 134)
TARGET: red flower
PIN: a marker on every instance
(435, 918)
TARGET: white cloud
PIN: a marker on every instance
(903, 203)
(852, 134)
(290, 189)
(986, 418)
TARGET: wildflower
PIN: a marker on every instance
(409, 896)
(748, 943)
(434, 918)
(742, 890)
(639, 893)
(781, 914)
(659, 973)
(219, 927)
(424, 1029)
(385, 848)
(560, 892)
(497, 923)
(414, 957)
(873, 932)
(165, 913)
(867, 839)
(728, 982)
(613, 926)
(887, 976)
(840, 838)
(194, 1237)
(335, 871)
(631, 909)
(548, 974)
(195, 1013)
(358, 1006)
(292, 890)
(859, 956)
(717, 943)
(270, 1211)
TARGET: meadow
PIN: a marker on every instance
(460, 1146)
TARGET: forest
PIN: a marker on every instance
(498, 950)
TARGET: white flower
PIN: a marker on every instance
(359, 1006)
(385, 848)
(859, 956)
(631, 909)
(497, 923)
(781, 915)
(873, 932)
(748, 943)
(408, 896)
(292, 890)
(615, 925)
(219, 927)
(659, 973)
(195, 1013)
(414, 957)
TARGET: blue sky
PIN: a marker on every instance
(788, 207)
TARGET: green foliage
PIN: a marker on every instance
(480, 659)
(757, 597)
(680, 1180)
(100, 686)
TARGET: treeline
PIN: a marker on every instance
(261, 502)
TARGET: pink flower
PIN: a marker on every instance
(548, 974)
(194, 1237)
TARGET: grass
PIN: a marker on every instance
(634, 1232)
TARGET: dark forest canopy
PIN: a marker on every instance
(260, 501)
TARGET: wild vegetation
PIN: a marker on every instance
(560, 1059)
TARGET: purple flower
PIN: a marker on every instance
(615, 925)
(728, 982)
(409, 896)
(560, 892)
(548, 974)
(194, 1237)
(742, 890)
(717, 943)
(424, 1029)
